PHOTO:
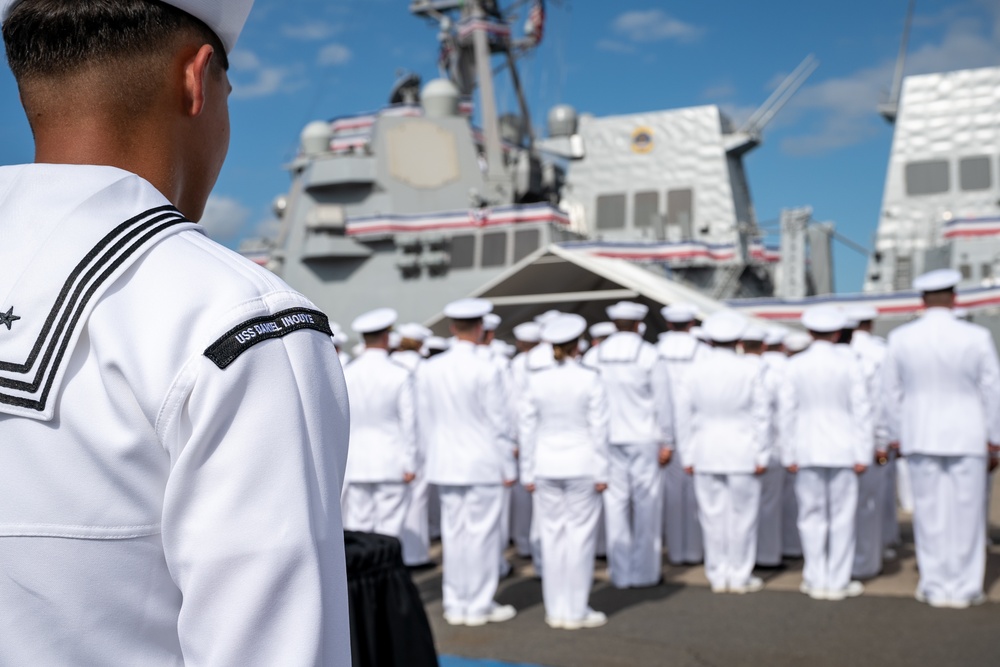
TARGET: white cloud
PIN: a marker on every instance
(242, 61)
(311, 31)
(224, 218)
(719, 91)
(334, 54)
(615, 46)
(253, 78)
(843, 108)
(654, 25)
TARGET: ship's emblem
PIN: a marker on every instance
(642, 140)
(8, 318)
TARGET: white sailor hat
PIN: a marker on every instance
(754, 334)
(340, 339)
(394, 340)
(603, 329)
(797, 341)
(937, 281)
(379, 319)
(699, 333)
(677, 313)
(563, 329)
(824, 319)
(528, 332)
(862, 313)
(436, 343)
(225, 18)
(627, 310)
(775, 335)
(468, 309)
(547, 315)
(491, 321)
(413, 331)
(724, 326)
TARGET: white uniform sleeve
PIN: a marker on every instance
(684, 415)
(662, 401)
(864, 444)
(989, 388)
(251, 524)
(528, 423)
(494, 402)
(763, 397)
(892, 396)
(599, 415)
(408, 424)
(787, 409)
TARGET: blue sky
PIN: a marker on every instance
(303, 60)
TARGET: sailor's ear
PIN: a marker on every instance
(197, 70)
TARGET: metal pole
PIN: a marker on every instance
(495, 172)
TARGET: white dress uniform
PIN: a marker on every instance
(383, 443)
(171, 456)
(521, 501)
(460, 403)
(638, 389)
(564, 441)
(771, 528)
(825, 426)
(722, 420)
(415, 538)
(873, 483)
(681, 526)
(942, 404)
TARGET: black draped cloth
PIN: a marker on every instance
(388, 624)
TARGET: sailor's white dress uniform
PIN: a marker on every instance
(770, 527)
(415, 538)
(564, 453)
(171, 456)
(825, 430)
(383, 443)
(942, 393)
(722, 421)
(638, 387)
(462, 413)
(681, 526)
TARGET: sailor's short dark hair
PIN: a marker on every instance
(53, 38)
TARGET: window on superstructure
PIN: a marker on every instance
(463, 251)
(526, 241)
(611, 212)
(645, 208)
(929, 177)
(966, 271)
(680, 211)
(974, 173)
(494, 249)
(987, 271)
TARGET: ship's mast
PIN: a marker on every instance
(890, 108)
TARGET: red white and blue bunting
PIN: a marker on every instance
(688, 253)
(386, 225)
(960, 228)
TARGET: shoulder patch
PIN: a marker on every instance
(239, 339)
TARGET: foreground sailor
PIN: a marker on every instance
(383, 458)
(463, 414)
(564, 463)
(942, 393)
(527, 336)
(826, 441)
(681, 526)
(642, 435)
(723, 416)
(171, 456)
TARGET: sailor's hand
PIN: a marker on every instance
(860, 468)
(689, 470)
(508, 483)
(600, 488)
(530, 488)
(666, 453)
(894, 446)
(759, 470)
(881, 457)
(993, 449)
(792, 468)
(517, 452)
(408, 477)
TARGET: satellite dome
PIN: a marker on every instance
(315, 138)
(440, 98)
(562, 121)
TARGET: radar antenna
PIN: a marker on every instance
(890, 108)
(761, 117)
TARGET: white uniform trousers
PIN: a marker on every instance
(772, 486)
(503, 563)
(890, 512)
(948, 525)
(470, 539)
(868, 522)
(633, 510)
(520, 520)
(416, 538)
(791, 544)
(568, 514)
(681, 527)
(728, 506)
(828, 501)
(375, 507)
(904, 487)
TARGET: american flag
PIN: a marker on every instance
(536, 21)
